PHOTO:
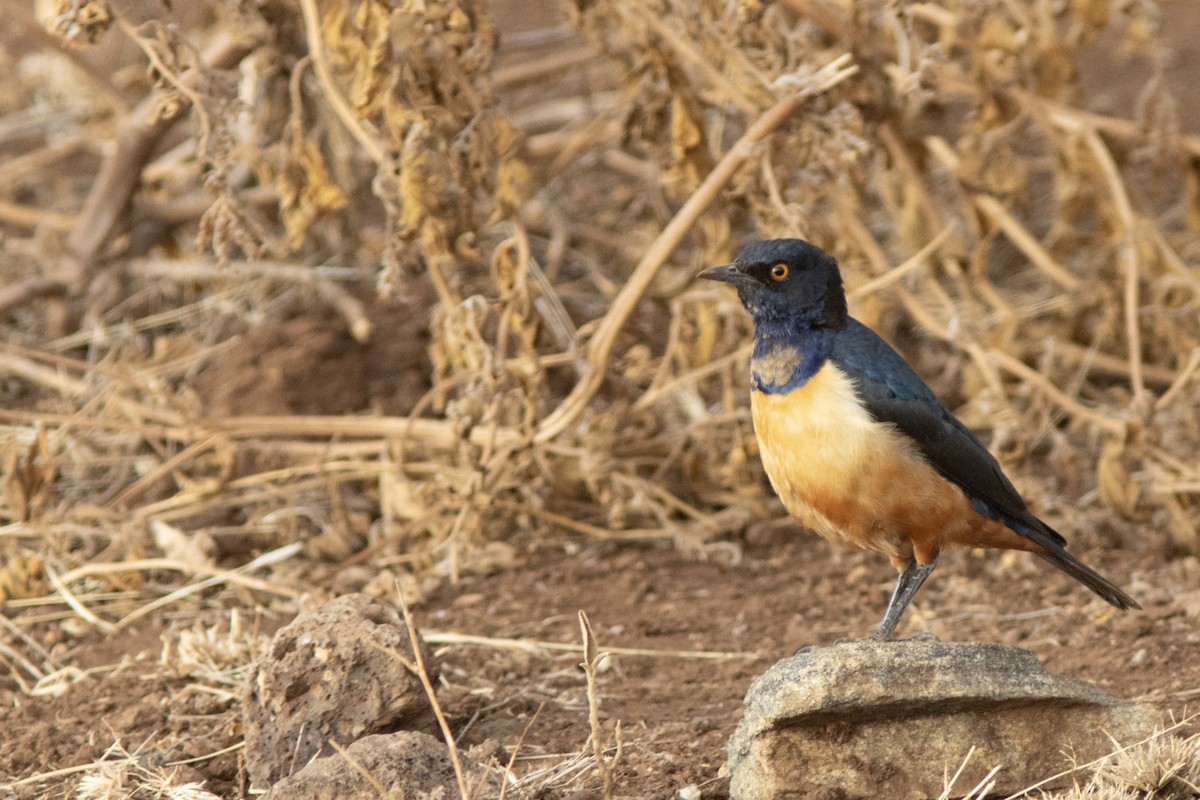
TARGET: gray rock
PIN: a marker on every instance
(332, 674)
(411, 765)
(897, 719)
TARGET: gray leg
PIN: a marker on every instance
(907, 584)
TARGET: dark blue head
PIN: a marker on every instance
(786, 283)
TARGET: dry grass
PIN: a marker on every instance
(1038, 267)
(1164, 766)
(269, 164)
(129, 776)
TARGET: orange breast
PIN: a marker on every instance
(862, 483)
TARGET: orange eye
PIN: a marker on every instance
(779, 271)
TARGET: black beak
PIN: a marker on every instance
(726, 273)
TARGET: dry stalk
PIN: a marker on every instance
(1076, 118)
(148, 564)
(119, 174)
(866, 242)
(233, 748)
(602, 343)
(641, 16)
(433, 433)
(909, 266)
(981, 790)
(1069, 404)
(667, 388)
(1024, 240)
(417, 667)
(350, 308)
(591, 663)
(17, 364)
(914, 177)
(14, 660)
(43, 777)
(266, 559)
(72, 601)
(264, 485)
(29, 642)
(548, 65)
(139, 486)
(1175, 390)
(1131, 261)
(598, 532)
(29, 217)
(512, 759)
(539, 647)
(1104, 364)
(333, 95)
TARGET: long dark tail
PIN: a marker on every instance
(1089, 577)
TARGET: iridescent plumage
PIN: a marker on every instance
(859, 449)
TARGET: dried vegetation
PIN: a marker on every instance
(540, 202)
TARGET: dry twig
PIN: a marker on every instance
(592, 660)
(119, 174)
(602, 343)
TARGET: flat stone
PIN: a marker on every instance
(896, 719)
(333, 675)
(407, 764)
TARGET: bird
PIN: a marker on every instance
(857, 446)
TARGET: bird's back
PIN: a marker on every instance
(892, 392)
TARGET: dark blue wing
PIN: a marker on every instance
(893, 393)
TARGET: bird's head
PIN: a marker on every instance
(786, 282)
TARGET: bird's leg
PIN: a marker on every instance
(907, 584)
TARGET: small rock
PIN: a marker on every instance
(407, 763)
(894, 719)
(331, 675)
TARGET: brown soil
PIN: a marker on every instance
(757, 602)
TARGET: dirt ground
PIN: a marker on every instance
(690, 623)
(746, 604)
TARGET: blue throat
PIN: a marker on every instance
(786, 356)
